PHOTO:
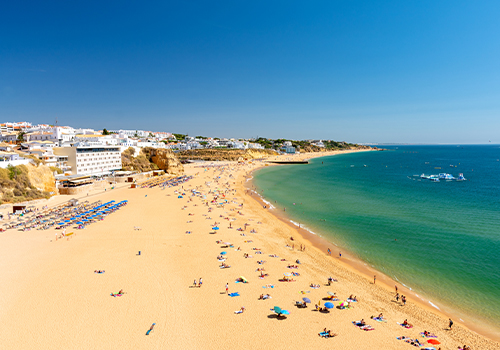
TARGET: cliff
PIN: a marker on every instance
(166, 160)
(26, 182)
(42, 178)
(225, 154)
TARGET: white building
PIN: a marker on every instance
(132, 133)
(85, 159)
(12, 159)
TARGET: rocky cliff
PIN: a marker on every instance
(225, 154)
(42, 178)
(166, 160)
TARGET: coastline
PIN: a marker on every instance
(49, 286)
(358, 266)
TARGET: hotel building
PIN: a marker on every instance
(91, 160)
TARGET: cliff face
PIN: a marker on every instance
(225, 154)
(42, 178)
(166, 160)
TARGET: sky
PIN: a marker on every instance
(357, 71)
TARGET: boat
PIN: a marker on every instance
(461, 177)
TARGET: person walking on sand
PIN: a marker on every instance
(200, 283)
(450, 324)
(340, 254)
(227, 288)
(374, 279)
(329, 251)
(403, 299)
(194, 283)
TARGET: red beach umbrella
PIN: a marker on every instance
(433, 341)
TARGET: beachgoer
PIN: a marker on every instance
(200, 282)
(227, 288)
(403, 299)
(194, 283)
(340, 254)
(396, 288)
(329, 251)
(450, 324)
(374, 279)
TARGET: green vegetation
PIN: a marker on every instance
(56, 169)
(105, 132)
(15, 185)
(180, 137)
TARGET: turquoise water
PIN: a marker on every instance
(441, 239)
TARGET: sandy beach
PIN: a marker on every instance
(50, 297)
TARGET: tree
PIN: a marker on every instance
(105, 132)
(20, 136)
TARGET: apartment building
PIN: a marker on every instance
(85, 159)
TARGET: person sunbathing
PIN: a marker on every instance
(406, 324)
(301, 304)
(362, 322)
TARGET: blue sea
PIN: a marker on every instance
(441, 239)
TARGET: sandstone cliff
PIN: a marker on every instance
(166, 160)
(225, 154)
(42, 178)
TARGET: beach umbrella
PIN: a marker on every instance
(215, 228)
(344, 304)
(285, 312)
(61, 223)
(307, 300)
(287, 274)
(179, 197)
(79, 223)
(433, 341)
(329, 305)
(223, 253)
(243, 279)
(331, 294)
(277, 310)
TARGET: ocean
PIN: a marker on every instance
(441, 239)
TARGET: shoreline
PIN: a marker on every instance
(359, 266)
(173, 230)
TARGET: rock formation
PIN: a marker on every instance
(166, 160)
(225, 154)
(42, 178)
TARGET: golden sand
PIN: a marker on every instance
(50, 297)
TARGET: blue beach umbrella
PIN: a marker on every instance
(215, 228)
(79, 223)
(61, 223)
(307, 300)
(329, 305)
(223, 253)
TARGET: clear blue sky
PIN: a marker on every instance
(359, 71)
